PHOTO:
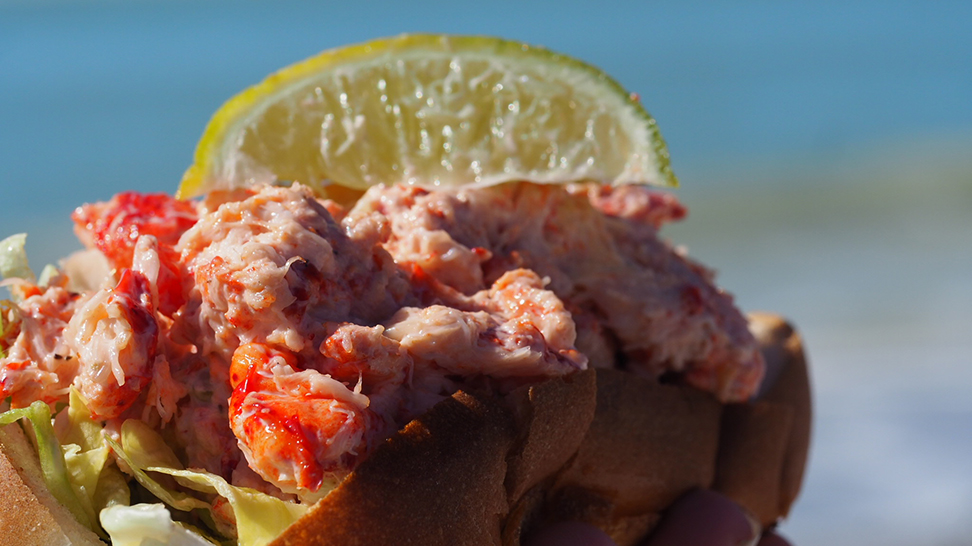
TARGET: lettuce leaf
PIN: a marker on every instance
(112, 489)
(175, 499)
(51, 457)
(13, 258)
(49, 274)
(85, 451)
(260, 518)
(76, 426)
(147, 525)
(84, 470)
(146, 447)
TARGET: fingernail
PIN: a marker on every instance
(757, 530)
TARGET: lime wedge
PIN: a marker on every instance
(432, 110)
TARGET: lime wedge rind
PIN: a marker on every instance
(432, 134)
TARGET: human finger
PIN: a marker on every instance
(773, 539)
(704, 518)
(569, 533)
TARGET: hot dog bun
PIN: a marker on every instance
(602, 446)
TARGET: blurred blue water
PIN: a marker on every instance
(118, 92)
(822, 148)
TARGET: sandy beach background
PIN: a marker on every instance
(823, 149)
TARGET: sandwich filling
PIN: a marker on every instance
(275, 340)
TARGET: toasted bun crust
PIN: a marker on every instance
(601, 446)
(764, 445)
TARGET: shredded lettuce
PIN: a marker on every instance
(175, 499)
(48, 274)
(84, 470)
(147, 525)
(53, 466)
(260, 518)
(146, 447)
(78, 473)
(13, 258)
(97, 482)
(112, 489)
(76, 426)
